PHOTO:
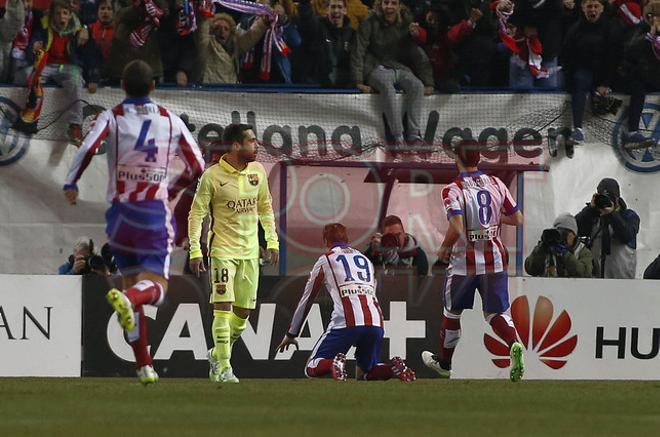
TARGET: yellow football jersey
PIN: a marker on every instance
(236, 200)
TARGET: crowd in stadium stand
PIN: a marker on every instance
(518, 44)
(586, 47)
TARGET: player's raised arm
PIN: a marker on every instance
(312, 287)
(87, 150)
(267, 218)
(190, 154)
(198, 211)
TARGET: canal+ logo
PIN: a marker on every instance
(13, 144)
(544, 337)
(641, 160)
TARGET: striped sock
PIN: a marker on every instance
(319, 367)
(503, 326)
(450, 333)
(139, 340)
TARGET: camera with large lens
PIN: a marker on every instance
(551, 237)
(602, 201)
(554, 240)
(92, 263)
(96, 263)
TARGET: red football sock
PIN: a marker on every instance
(139, 340)
(450, 333)
(503, 327)
(380, 372)
(323, 367)
(145, 292)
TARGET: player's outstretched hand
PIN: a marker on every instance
(71, 196)
(274, 256)
(197, 266)
(286, 342)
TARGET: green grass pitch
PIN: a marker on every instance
(182, 407)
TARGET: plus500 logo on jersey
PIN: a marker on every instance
(152, 175)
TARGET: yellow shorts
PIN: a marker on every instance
(235, 281)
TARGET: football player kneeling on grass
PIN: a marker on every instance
(357, 319)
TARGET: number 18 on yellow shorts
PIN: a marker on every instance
(235, 281)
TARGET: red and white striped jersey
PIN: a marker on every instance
(481, 200)
(142, 139)
(348, 276)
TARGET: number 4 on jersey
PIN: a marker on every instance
(149, 147)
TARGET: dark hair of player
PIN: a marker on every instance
(137, 78)
(235, 132)
(468, 152)
(335, 233)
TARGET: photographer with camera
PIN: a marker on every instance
(395, 248)
(84, 260)
(560, 254)
(611, 228)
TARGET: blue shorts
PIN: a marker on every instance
(493, 288)
(140, 236)
(366, 339)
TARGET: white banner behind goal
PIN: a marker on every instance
(37, 227)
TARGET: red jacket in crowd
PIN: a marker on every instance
(439, 51)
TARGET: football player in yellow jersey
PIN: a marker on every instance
(235, 193)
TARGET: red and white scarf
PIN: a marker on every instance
(186, 22)
(274, 35)
(152, 14)
(528, 50)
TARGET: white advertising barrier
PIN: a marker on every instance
(571, 329)
(40, 325)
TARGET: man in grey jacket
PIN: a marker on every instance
(385, 56)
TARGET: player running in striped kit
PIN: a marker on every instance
(357, 319)
(142, 140)
(476, 205)
(235, 193)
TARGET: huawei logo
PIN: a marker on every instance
(543, 336)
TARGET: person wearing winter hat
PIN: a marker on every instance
(611, 228)
(560, 253)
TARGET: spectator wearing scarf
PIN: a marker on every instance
(269, 61)
(538, 40)
(134, 37)
(220, 47)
